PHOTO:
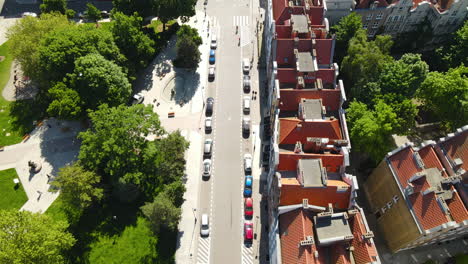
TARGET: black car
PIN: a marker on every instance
(209, 106)
(246, 83)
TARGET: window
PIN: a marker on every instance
(454, 13)
(369, 17)
(379, 16)
(375, 25)
(389, 205)
(377, 214)
(401, 18)
(395, 198)
(365, 25)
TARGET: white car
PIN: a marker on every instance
(246, 65)
(208, 124)
(206, 168)
(214, 42)
(246, 104)
(204, 226)
(211, 73)
(138, 98)
(31, 14)
(207, 147)
(248, 163)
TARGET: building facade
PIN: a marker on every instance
(419, 194)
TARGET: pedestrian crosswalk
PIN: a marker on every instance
(203, 255)
(247, 254)
(244, 37)
(240, 21)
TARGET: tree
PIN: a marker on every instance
(345, 30)
(78, 188)
(136, 244)
(188, 41)
(99, 81)
(405, 110)
(456, 53)
(66, 103)
(371, 131)
(162, 213)
(27, 237)
(114, 144)
(132, 42)
(49, 6)
(172, 9)
(365, 59)
(59, 50)
(404, 75)
(144, 8)
(447, 95)
(26, 36)
(92, 13)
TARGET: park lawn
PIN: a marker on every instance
(157, 25)
(12, 197)
(5, 118)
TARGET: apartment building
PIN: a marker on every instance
(399, 16)
(313, 215)
(419, 194)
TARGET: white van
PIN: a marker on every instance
(214, 42)
(246, 104)
(205, 226)
(248, 163)
(207, 147)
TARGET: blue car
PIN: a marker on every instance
(248, 185)
(212, 57)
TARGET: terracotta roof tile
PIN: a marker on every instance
(339, 255)
(457, 208)
(290, 133)
(457, 147)
(293, 193)
(288, 160)
(364, 251)
(430, 159)
(404, 165)
(427, 210)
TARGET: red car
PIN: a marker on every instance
(248, 207)
(248, 231)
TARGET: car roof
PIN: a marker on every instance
(248, 181)
(248, 202)
(249, 233)
(204, 219)
(212, 52)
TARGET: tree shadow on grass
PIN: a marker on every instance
(24, 113)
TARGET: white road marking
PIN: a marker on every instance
(203, 250)
(240, 21)
(247, 254)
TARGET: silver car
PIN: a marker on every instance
(204, 226)
(206, 168)
(246, 65)
(208, 124)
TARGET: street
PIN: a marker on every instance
(221, 196)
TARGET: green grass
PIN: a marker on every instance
(6, 121)
(56, 211)
(157, 25)
(461, 259)
(12, 195)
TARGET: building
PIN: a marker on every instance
(306, 144)
(419, 194)
(394, 17)
(336, 9)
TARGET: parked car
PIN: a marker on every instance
(246, 83)
(207, 147)
(138, 98)
(246, 104)
(105, 14)
(247, 163)
(206, 168)
(246, 65)
(248, 186)
(246, 126)
(209, 106)
(204, 226)
(248, 231)
(31, 14)
(214, 42)
(248, 207)
(212, 56)
(211, 73)
(208, 125)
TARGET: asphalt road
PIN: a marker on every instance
(221, 196)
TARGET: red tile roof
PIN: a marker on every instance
(288, 160)
(457, 147)
(427, 210)
(290, 98)
(457, 208)
(293, 193)
(364, 251)
(290, 132)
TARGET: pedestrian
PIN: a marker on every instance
(39, 195)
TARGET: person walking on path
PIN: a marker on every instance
(39, 195)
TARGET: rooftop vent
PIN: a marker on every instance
(368, 235)
(300, 82)
(298, 147)
(305, 203)
(307, 242)
(457, 162)
(352, 212)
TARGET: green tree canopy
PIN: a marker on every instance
(59, 50)
(99, 81)
(32, 238)
(173, 9)
(49, 6)
(188, 41)
(447, 95)
(162, 213)
(114, 144)
(144, 8)
(92, 13)
(371, 130)
(132, 42)
(365, 59)
(65, 102)
(78, 188)
(345, 30)
(26, 35)
(456, 53)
